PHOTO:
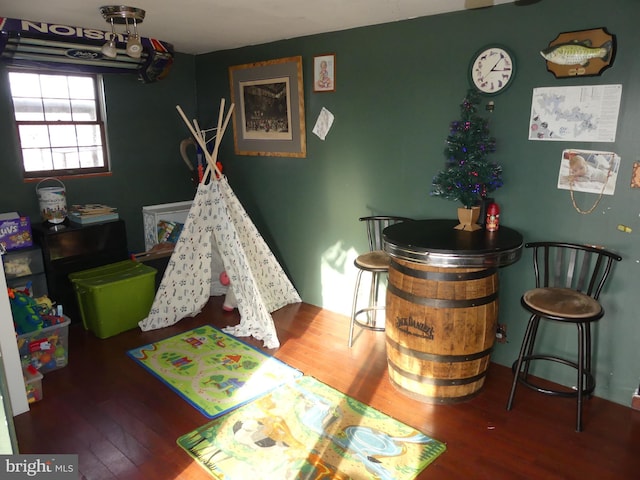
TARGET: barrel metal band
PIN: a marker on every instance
(431, 357)
(441, 302)
(442, 276)
(439, 400)
(437, 381)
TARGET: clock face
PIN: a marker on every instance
(492, 70)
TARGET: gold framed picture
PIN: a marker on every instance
(269, 116)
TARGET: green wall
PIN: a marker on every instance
(399, 86)
(144, 133)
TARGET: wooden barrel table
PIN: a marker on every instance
(442, 306)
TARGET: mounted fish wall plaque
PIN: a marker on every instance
(581, 53)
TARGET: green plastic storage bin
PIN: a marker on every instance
(115, 297)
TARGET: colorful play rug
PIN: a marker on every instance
(308, 430)
(213, 371)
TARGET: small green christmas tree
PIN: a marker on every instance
(468, 177)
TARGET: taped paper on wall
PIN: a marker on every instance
(323, 123)
(589, 171)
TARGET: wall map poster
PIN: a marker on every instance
(577, 113)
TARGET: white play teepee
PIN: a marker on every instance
(219, 235)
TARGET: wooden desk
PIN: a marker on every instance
(73, 248)
(442, 306)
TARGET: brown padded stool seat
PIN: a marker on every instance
(562, 302)
(374, 260)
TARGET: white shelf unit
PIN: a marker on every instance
(152, 214)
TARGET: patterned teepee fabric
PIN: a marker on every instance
(218, 234)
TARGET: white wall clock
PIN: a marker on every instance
(492, 69)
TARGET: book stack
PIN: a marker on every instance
(92, 213)
(169, 231)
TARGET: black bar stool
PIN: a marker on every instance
(376, 261)
(569, 279)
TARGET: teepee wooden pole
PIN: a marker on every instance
(214, 154)
(199, 137)
(201, 142)
(191, 129)
(221, 128)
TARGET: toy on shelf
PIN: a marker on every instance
(24, 309)
(230, 302)
(51, 313)
(46, 353)
(33, 314)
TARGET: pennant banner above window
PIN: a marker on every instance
(70, 49)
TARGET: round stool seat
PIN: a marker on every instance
(376, 260)
(562, 302)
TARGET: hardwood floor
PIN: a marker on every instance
(123, 422)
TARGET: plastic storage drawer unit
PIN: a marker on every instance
(25, 269)
(115, 297)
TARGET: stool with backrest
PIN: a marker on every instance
(569, 279)
(376, 261)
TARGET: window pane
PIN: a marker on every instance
(32, 136)
(84, 111)
(54, 86)
(82, 88)
(88, 135)
(28, 109)
(91, 157)
(24, 84)
(65, 158)
(63, 135)
(37, 159)
(57, 110)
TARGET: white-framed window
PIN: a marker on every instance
(60, 123)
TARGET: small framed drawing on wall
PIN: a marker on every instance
(324, 73)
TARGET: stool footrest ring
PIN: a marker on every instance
(589, 380)
(367, 324)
